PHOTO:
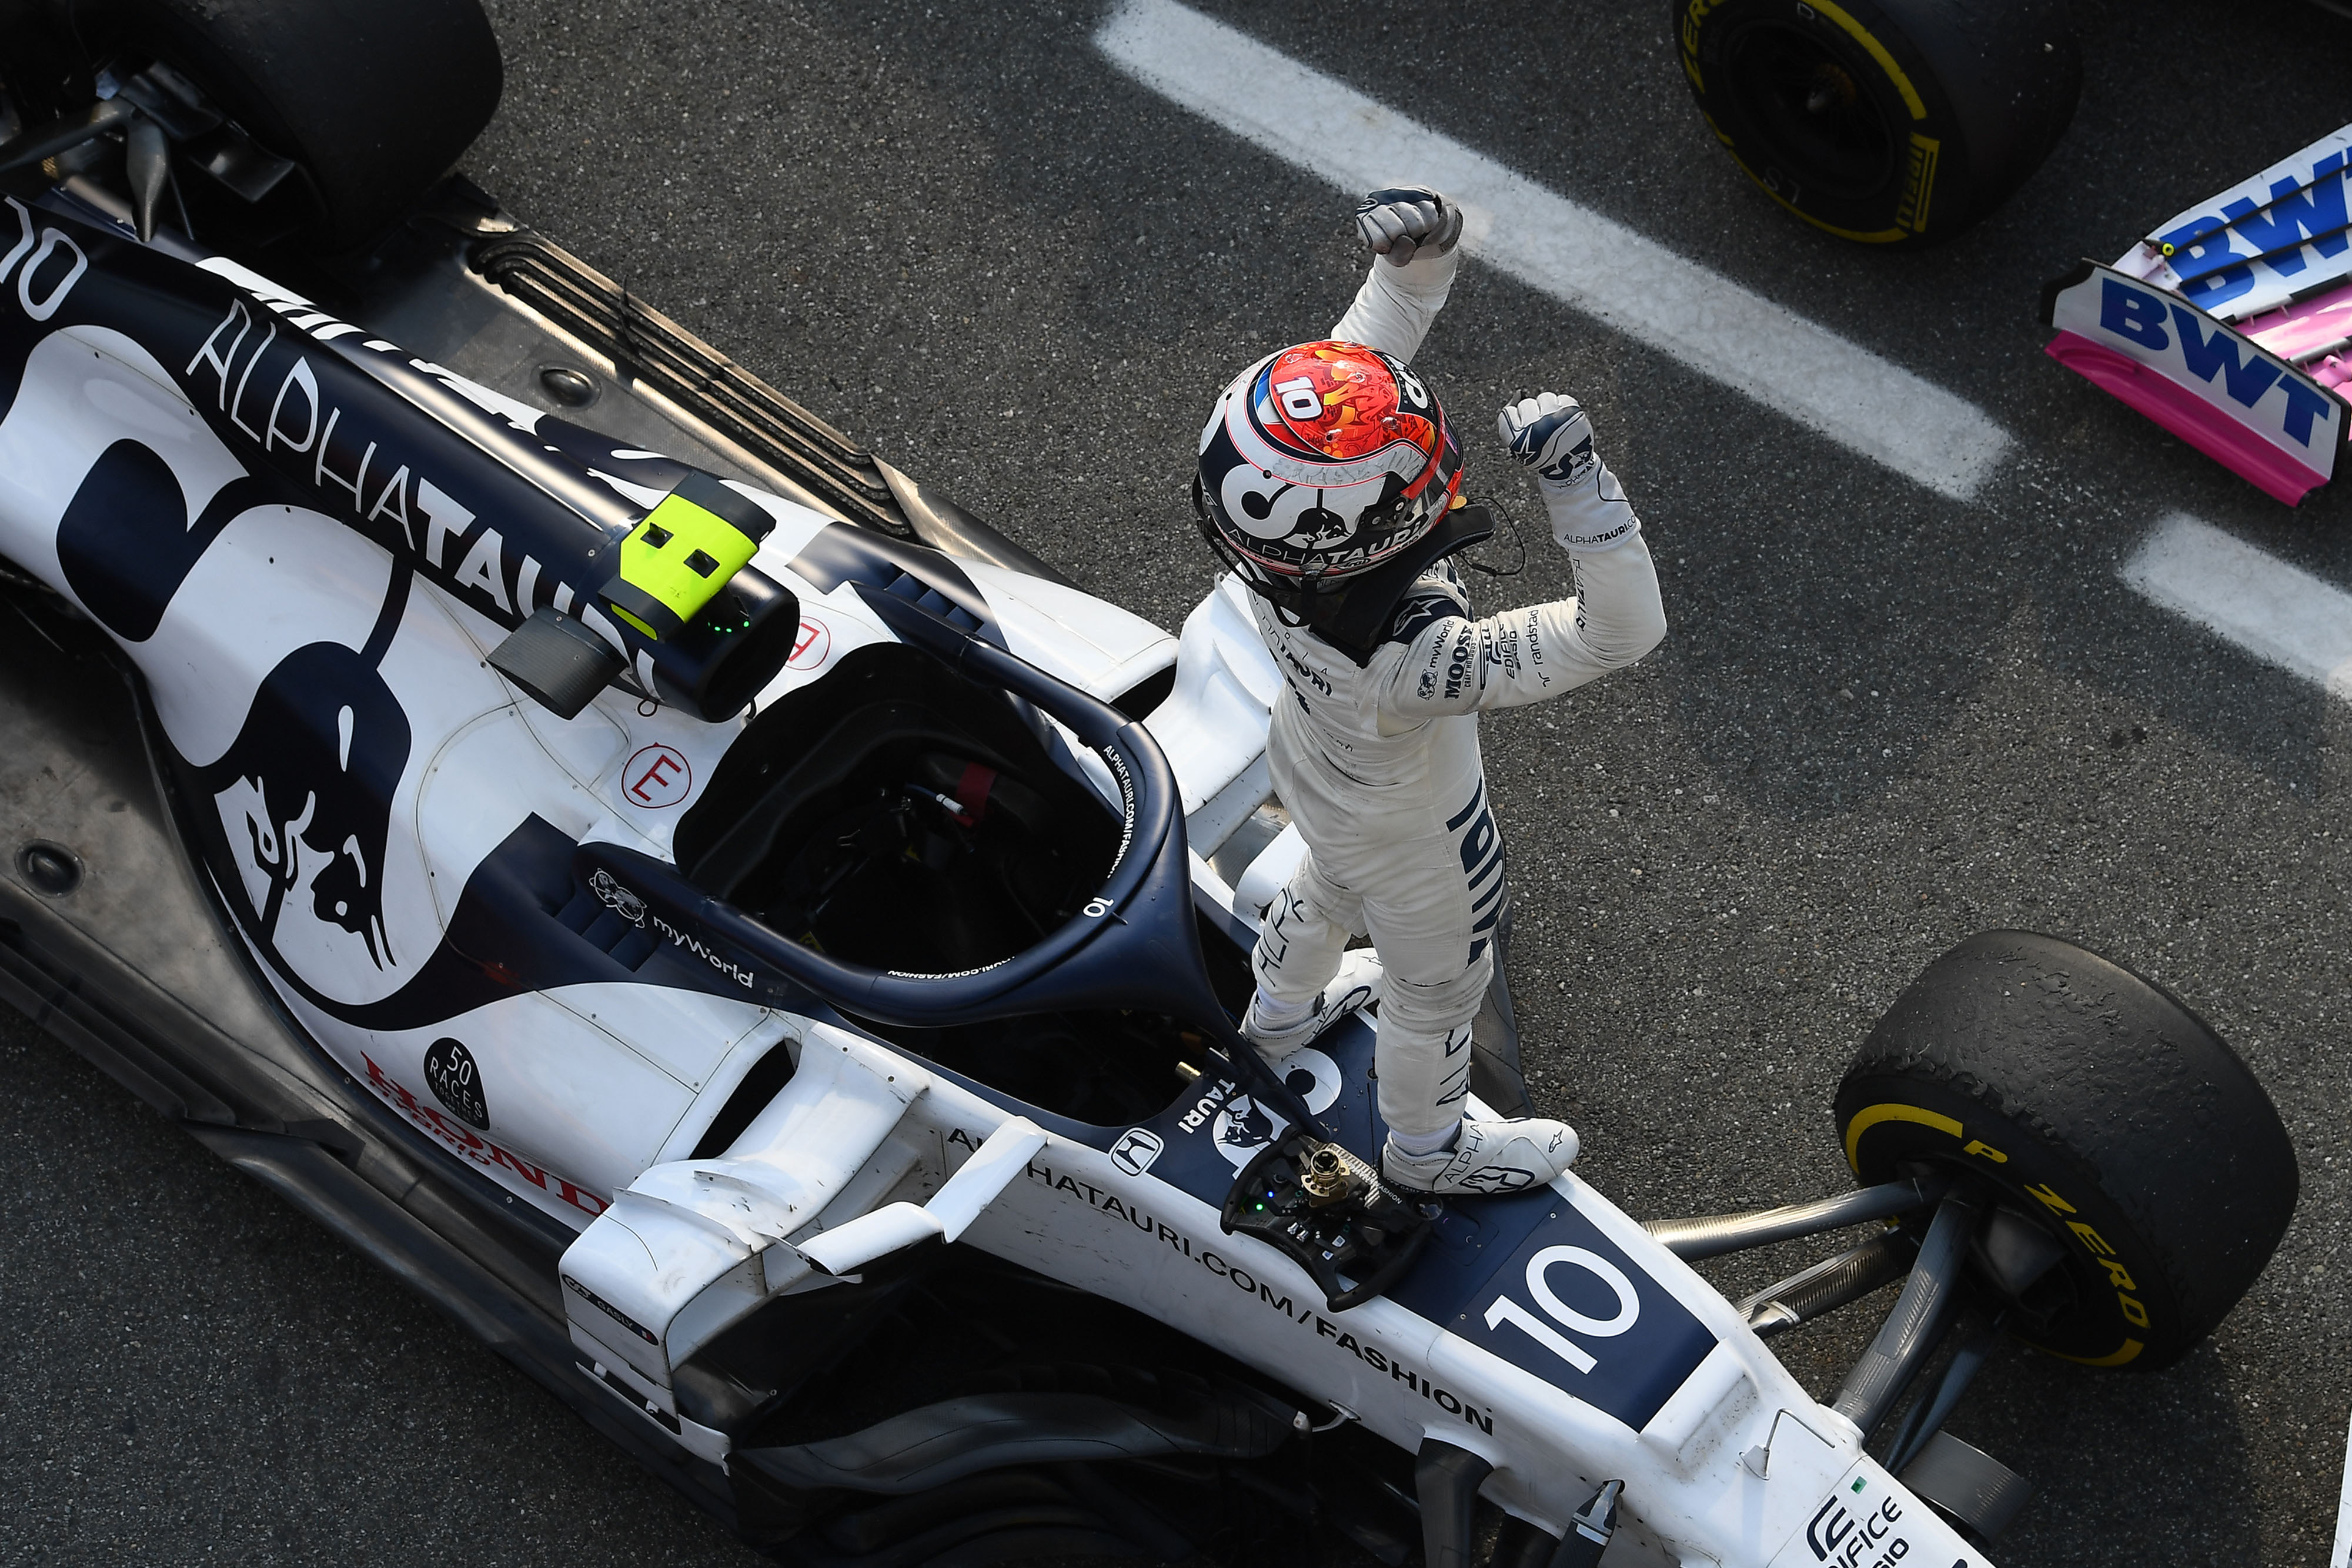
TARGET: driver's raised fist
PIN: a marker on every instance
(1407, 221)
(1551, 434)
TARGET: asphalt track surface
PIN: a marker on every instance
(1883, 718)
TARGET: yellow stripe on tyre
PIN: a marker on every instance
(2129, 1306)
(1871, 1115)
(2130, 1350)
(1879, 236)
(1911, 98)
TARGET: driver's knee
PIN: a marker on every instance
(1424, 1010)
(1298, 948)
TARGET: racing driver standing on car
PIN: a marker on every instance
(1328, 481)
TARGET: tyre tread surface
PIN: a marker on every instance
(2099, 1077)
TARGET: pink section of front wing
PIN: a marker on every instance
(2298, 332)
(2190, 417)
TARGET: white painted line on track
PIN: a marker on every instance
(1585, 260)
(2342, 1555)
(2279, 613)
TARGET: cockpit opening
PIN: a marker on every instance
(897, 816)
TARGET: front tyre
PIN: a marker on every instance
(2100, 1110)
(1896, 122)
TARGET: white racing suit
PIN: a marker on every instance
(1379, 765)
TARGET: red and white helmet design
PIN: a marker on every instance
(1321, 462)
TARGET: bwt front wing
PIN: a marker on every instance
(2254, 412)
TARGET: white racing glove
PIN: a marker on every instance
(1550, 433)
(1407, 221)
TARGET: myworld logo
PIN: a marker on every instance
(696, 946)
(630, 908)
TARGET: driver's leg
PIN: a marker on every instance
(1306, 981)
(1419, 925)
(1431, 922)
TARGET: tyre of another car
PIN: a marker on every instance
(374, 99)
(1891, 122)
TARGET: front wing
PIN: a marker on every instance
(2258, 414)
(2224, 324)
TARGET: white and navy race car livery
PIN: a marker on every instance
(851, 920)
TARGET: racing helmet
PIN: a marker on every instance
(1318, 464)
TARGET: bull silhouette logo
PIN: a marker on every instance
(313, 775)
(1243, 1129)
(1245, 1126)
(618, 899)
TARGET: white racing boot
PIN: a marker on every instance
(1354, 987)
(1487, 1158)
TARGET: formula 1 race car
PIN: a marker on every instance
(751, 943)
(2226, 324)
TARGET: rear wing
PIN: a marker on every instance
(2226, 324)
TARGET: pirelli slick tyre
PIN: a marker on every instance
(373, 100)
(2102, 1110)
(1895, 123)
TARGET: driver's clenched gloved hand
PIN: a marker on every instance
(1407, 221)
(1551, 434)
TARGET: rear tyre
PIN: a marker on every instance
(374, 99)
(2102, 1110)
(1895, 123)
